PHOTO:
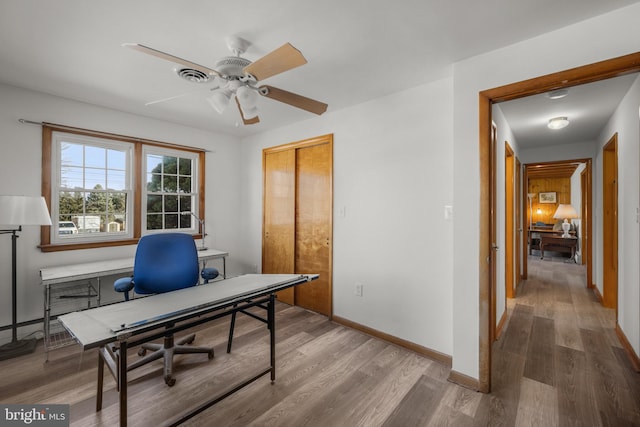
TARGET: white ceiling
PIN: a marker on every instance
(587, 107)
(357, 50)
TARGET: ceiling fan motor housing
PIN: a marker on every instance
(231, 66)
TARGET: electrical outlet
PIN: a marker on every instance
(358, 289)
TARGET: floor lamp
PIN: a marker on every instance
(16, 211)
(531, 196)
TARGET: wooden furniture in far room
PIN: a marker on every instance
(536, 232)
(558, 243)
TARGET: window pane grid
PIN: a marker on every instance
(93, 197)
(93, 194)
(169, 192)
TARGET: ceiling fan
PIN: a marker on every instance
(240, 78)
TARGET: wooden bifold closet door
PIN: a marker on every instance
(297, 218)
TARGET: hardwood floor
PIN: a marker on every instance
(558, 362)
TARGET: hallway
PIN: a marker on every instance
(559, 361)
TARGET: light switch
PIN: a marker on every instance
(448, 212)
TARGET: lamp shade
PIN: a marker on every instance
(565, 212)
(24, 210)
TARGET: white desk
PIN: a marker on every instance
(97, 269)
(56, 280)
(115, 328)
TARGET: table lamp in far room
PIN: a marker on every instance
(567, 212)
(16, 211)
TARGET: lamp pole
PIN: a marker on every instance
(15, 347)
(201, 221)
(18, 211)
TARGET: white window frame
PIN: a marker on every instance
(57, 138)
(195, 179)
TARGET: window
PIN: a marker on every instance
(169, 190)
(106, 190)
(92, 189)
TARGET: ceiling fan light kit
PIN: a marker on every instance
(241, 76)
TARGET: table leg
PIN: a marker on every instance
(100, 381)
(122, 381)
(271, 322)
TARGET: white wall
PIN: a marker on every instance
(504, 134)
(626, 123)
(576, 202)
(20, 173)
(392, 176)
(590, 41)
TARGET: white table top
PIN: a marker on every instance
(101, 325)
(89, 270)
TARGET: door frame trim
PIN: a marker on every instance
(576, 76)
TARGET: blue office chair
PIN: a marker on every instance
(163, 263)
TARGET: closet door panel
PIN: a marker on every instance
(278, 240)
(313, 230)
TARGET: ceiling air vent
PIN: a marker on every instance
(194, 76)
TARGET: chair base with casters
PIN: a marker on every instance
(209, 273)
(164, 262)
(166, 350)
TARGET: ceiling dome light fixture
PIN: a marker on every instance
(557, 94)
(558, 123)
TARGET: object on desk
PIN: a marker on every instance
(567, 212)
(163, 263)
(201, 222)
(16, 211)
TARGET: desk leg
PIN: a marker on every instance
(122, 381)
(271, 322)
(100, 381)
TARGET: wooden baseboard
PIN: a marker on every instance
(445, 359)
(597, 293)
(464, 380)
(501, 323)
(633, 357)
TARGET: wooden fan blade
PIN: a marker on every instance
(282, 59)
(250, 121)
(171, 58)
(293, 99)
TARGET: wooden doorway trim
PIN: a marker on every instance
(587, 224)
(509, 227)
(610, 224)
(493, 232)
(586, 74)
(518, 225)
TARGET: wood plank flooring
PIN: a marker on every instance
(558, 363)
